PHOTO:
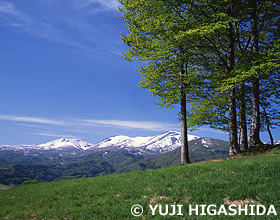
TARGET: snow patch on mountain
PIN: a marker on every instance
(161, 143)
(122, 142)
(204, 143)
(275, 142)
(66, 143)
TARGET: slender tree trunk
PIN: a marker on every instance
(183, 119)
(233, 140)
(270, 134)
(268, 125)
(184, 131)
(243, 121)
(254, 136)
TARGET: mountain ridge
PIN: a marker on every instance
(162, 143)
(46, 166)
(73, 158)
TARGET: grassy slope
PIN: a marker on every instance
(112, 196)
(4, 187)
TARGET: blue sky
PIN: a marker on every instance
(62, 75)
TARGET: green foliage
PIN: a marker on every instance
(112, 196)
(211, 110)
(30, 182)
(211, 106)
(165, 36)
(209, 47)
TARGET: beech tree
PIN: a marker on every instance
(221, 45)
(250, 65)
(157, 36)
(263, 14)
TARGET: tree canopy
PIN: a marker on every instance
(220, 56)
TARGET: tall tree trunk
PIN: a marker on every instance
(243, 121)
(270, 134)
(254, 136)
(183, 119)
(184, 131)
(233, 140)
(268, 125)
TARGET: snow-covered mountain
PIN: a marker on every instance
(72, 158)
(59, 144)
(159, 144)
(66, 143)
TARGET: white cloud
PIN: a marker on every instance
(12, 16)
(85, 123)
(67, 23)
(9, 8)
(56, 135)
(151, 126)
(108, 4)
(27, 125)
(28, 23)
(33, 120)
(99, 5)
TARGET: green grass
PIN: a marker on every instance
(4, 187)
(111, 197)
